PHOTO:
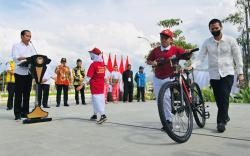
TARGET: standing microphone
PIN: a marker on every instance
(33, 47)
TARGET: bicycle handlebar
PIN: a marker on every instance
(185, 55)
(194, 50)
(175, 59)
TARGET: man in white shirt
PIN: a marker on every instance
(23, 79)
(43, 88)
(224, 58)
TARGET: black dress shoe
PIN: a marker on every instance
(221, 127)
(84, 103)
(58, 105)
(66, 105)
(227, 120)
(17, 118)
(46, 107)
(9, 109)
(23, 115)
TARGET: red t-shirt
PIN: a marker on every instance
(164, 71)
(96, 72)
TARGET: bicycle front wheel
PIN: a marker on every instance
(198, 105)
(175, 113)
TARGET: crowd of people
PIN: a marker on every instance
(118, 85)
(224, 60)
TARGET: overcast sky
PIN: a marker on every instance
(69, 28)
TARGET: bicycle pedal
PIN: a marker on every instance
(207, 115)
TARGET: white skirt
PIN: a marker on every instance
(98, 103)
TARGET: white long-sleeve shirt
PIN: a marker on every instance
(21, 50)
(224, 57)
(49, 74)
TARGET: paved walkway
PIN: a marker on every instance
(131, 130)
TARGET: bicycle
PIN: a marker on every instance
(186, 98)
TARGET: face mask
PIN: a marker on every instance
(216, 33)
(91, 56)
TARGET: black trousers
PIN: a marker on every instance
(128, 92)
(59, 89)
(140, 93)
(11, 93)
(43, 94)
(222, 89)
(77, 94)
(22, 94)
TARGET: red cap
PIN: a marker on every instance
(167, 32)
(95, 51)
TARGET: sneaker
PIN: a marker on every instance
(170, 125)
(102, 119)
(93, 118)
(221, 127)
(163, 129)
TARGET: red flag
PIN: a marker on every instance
(126, 64)
(109, 64)
(121, 68)
(115, 62)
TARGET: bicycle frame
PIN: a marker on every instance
(183, 86)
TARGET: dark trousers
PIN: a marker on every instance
(77, 94)
(11, 93)
(140, 93)
(22, 94)
(128, 92)
(222, 89)
(43, 94)
(59, 89)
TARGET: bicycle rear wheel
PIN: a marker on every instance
(175, 114)
(198, 105)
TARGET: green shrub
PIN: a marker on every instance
(208, 95)
(242, 97)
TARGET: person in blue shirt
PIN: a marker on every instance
(140, 79)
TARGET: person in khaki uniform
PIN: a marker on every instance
(10, 81)
(78, 74)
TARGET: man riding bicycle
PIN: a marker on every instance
(163, 71)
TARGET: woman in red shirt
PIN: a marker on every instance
(95, 78)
